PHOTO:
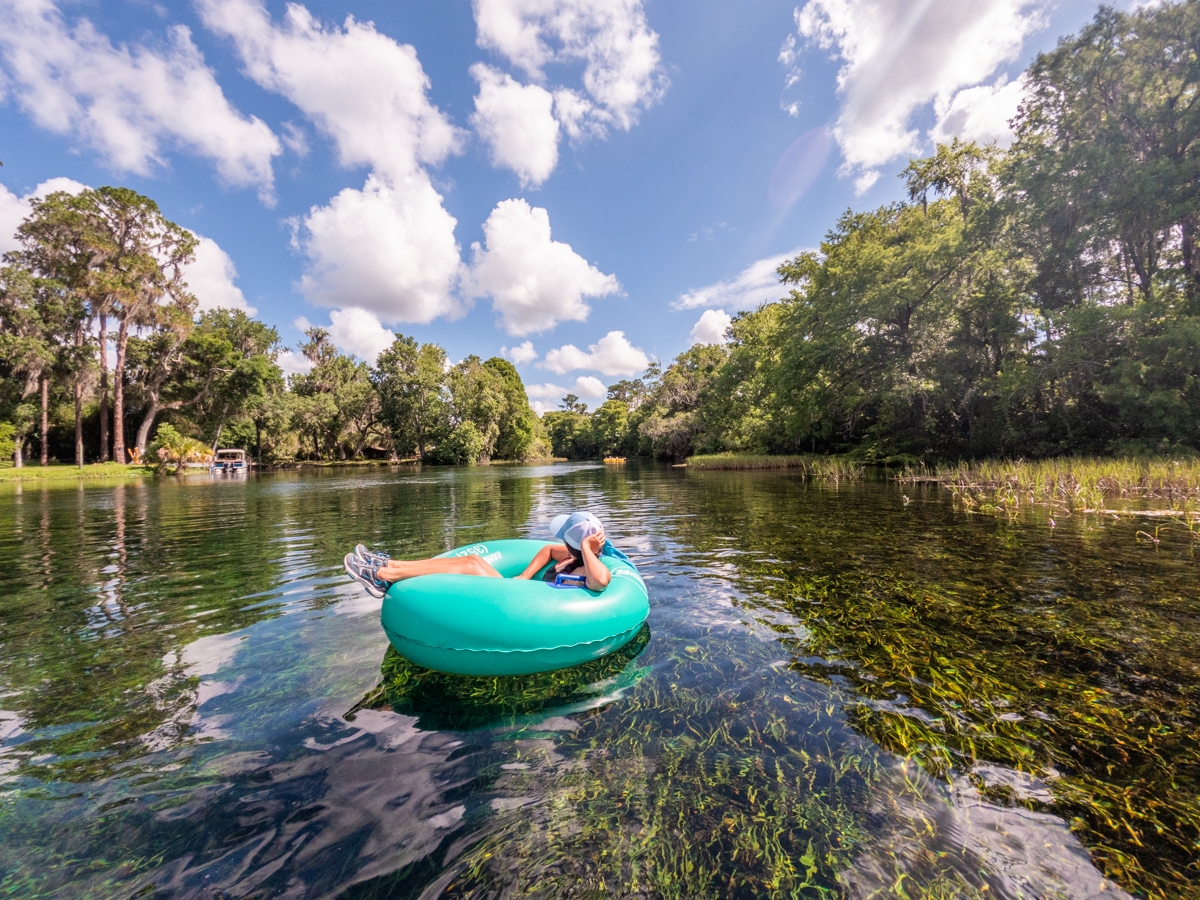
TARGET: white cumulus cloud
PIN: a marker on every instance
(756, 284)
(980, 114)
(129, 102)
(292, 362)
(622, 70)
(388, 248)
(546, 397)
(590, 386)
(547, 391)
(14, 209)
(711, 327)
(534, 282)
(211, 275)
(365, 91)
(517, 123)
(357, 331)
(611, 355)
(900, 56)
(521, 354)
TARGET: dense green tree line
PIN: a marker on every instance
(104, 268)
(1036, 300)
(1039, 300)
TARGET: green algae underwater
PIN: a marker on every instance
(844, 690)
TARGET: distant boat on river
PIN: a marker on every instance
(230, 462)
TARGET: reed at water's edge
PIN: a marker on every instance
(1077, 483)
(825, 467)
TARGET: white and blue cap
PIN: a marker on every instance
(574, 527)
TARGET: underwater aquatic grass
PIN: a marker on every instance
(954, 684)
(687, 790)
(707, 780)
(824, 662)
(688, 793)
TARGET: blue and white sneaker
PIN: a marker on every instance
(365, 576)
(369, 557)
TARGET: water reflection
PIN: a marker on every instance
(462, 703)
(838, 693)
(950, 842)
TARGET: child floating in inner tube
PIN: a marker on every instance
(581, 533)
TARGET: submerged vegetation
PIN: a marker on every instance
(959, 683)
(838, 693)
(716, 775)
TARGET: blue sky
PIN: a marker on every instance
(631, 170)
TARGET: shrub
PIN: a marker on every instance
(174, 450)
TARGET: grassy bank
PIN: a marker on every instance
(407, 461)
(68, 473)
(825, 467)
(342, 463)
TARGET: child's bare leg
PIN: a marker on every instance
(399, 569)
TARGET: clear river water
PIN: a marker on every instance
(843, 690)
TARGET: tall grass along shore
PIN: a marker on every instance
(1147, 486)
(829, 468)
(1078, 484)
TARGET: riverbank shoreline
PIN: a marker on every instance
(66, 472)
(1075, 484)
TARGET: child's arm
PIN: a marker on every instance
(542, 557)
(597, 573)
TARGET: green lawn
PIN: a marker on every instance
(60, 472)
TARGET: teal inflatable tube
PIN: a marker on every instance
(467, 625)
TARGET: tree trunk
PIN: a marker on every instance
(104, 445)
(1191, 262)
(119, 395)
(78, 402)
(45, 460)
(19, 452)
(78, 422)
(155, 407)
(220, 425)
(143, 432)
(1141, 268)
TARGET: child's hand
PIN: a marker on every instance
(595, 542)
